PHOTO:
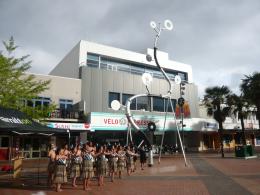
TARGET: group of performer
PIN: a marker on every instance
(89, 161)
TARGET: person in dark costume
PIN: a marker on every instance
(101, 165)
(142, 157)
(121, 161)
(87, 165)
(113, 158)
(76, 161)
(129, 160)
(60, 174)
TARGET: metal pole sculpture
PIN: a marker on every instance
(158, 29)
(147, 79)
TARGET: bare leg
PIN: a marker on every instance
(102, 180)
(58, 186)
(49, 180)
(99, 180)
(128, 171)
(88, 181)
(120, 175)
(84, 184)
(112, 176)
(74, 182)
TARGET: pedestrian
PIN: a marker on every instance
(142, 157)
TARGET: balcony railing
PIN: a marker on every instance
(66, 114)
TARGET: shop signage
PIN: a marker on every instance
(71, 126)
(15, 120)
(110, 121)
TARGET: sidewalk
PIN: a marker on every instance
(205, 174)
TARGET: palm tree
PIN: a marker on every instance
(250, 88)
(239, 106)
(215, 101)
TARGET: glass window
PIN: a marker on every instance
(92, 60)
(158, 104)
(137, 70)
(169, 105)
(66, 104)
(143, 103)
(257, 139)
(4, 141)
(30, 103)
(39, 102)
(132, 105)
(113, 96)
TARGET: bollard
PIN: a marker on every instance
(150, 158)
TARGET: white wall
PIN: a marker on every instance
(61, 88)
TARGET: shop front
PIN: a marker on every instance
(20, 135)
(114, 126)
(76, 133)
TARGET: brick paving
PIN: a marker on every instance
(205, 174)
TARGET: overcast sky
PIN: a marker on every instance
(220, 39)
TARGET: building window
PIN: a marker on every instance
(257, 140)
(66, 104)
(65, 107)
(39, 102)
(113, 96)
(4, 142)
(158, 104)
(97, 61)
(169, 105)
(92, 60)
(143, 103)
(132, 105)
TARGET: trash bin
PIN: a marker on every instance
(250, 150)
(244, 151)
(150, 158)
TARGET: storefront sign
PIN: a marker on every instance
(110, 121)
(71, 126)
(15, 120)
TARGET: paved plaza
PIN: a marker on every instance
(205, 174)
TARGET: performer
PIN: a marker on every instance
(66, 152)
(121, 161)
(129, 160)
(87, 165)
(113, 158)
(101, 165)
(51, 165)
(76, 161)
(60, 174)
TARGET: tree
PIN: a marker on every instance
(215, 100)
(250, 88)
(239, 106)
(16, 86)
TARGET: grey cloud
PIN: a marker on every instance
(220, 39)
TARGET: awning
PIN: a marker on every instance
(18, 122)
